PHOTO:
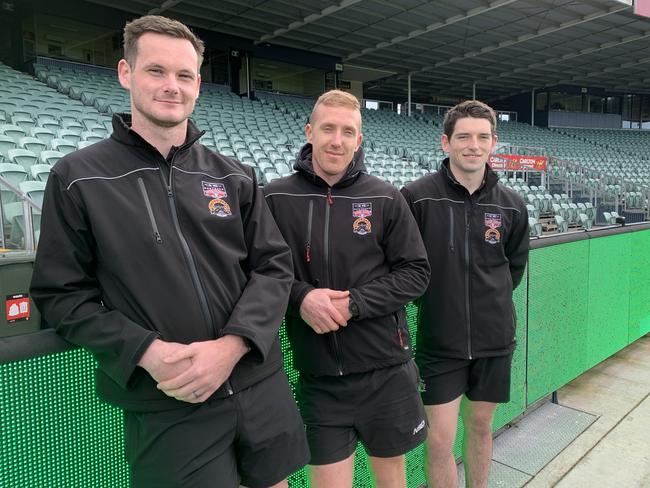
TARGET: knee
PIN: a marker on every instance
(478, 426)
(440, 442)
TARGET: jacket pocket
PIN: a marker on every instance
(147, 204)
(403, 334)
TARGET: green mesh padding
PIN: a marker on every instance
(639, 285)
(586, 300)
(557, 316)
(609, 291)
(54, 432)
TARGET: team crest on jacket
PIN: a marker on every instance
(214, 190)
(219, 207)
(361, 212)
(492, 222)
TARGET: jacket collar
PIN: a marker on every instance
(490, 178)
(305, 166)
(124, 133)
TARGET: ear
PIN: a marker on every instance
(495, 139)
(124, 74)
(198, 85)
(359, 141)
(308, 132)
(444, 142)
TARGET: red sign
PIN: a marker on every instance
(17, 307)
(517, 162)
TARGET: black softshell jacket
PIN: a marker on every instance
(478, 248)
(135, 246)
(357, 235)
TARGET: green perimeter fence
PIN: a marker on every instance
(584, 297)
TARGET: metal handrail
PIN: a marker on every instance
(28, 206)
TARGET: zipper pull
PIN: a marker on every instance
(158, 238)
(330, 200)
(308, 252)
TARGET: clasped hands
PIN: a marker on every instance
(192, 372)
(326, 310)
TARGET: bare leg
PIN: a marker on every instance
(477, 455)
(441, 465)
(335, 475)
(281, 484)
(389, 472)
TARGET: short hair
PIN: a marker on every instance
(158, 25)
(336, 98)
(468, 108)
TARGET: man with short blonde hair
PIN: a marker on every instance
(358, 260)
(336, 98)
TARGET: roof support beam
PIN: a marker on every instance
(307, 20)
(166, 5)
(431, 27)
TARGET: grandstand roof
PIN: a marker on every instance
(505, 46)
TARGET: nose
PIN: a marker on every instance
(337, 138)
(171, 84)
(474, 142)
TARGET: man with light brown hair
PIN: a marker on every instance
(161, 258)
(358, 260)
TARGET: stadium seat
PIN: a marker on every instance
(34, 190)
(534, 227)
(6, 143)
(33, 144)
(23, 157)
(63, 146)
(50, 157)
(562, 225)
(15, 174)
(40, 172)
(585, 221)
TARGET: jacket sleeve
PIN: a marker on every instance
(517, 246)
(66, 291)
(409, 268)
(299, 288)
(260, 309)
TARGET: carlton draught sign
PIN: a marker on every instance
(517, 162)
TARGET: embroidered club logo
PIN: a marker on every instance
(492, 222)
(214, 190)
(219, 207)
(362, 226)
(361, 210)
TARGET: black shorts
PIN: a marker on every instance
(255, 437)
(481, 380)
(380, 408)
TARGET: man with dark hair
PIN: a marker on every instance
(358, 259)
(476, 234)
(161, 258)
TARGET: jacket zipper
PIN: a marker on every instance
(337, 346)
(147, 204)
(189, 258)
(469, 328)
(451, 229)
(309, 221)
